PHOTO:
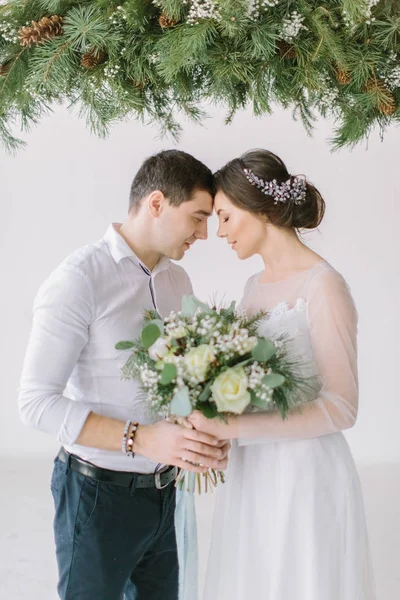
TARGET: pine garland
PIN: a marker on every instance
(152, 59)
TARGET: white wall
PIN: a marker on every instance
(67, 186)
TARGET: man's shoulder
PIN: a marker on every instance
(179, 279)
(83, 264)
(178, 271)
(82, 259)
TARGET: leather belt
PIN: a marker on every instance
(123, 478)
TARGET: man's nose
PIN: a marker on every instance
(202, 231)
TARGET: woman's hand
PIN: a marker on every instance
(199, 422)
(223, 445)
(217, 427)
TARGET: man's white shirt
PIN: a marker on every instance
(94, 299)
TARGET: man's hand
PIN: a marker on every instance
(172, 444)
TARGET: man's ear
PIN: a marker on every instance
(156, 202)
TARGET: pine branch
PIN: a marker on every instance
(165, 58)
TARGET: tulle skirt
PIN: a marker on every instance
(289, 524)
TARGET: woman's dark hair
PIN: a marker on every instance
(175, 173)
(232, 180)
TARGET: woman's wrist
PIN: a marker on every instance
(232, 427)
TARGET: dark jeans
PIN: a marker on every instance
(112, 542)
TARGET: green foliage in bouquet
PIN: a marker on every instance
(212, 360)
(215, 361)
(154, 60)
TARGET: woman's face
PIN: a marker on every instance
(244, 231)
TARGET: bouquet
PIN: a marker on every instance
(212, 360)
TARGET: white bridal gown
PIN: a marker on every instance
(289, 522)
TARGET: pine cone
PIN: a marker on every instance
(166, 22)
(140, 85)
(93, 58)
(4, 68)
(39, 31)
(386, 105)
(343, 76)
(286, 50)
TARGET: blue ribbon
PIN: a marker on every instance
(186, 538)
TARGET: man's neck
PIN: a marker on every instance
(135, 237)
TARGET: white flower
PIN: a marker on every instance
(159, 349)
(198, 360)
(248, 344)
(177, 332)
(230, 391)
(292, 26)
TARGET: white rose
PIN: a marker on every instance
(159, 349)
(230, 391)
(178, 332)
(198, 360)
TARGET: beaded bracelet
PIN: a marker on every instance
(124, 439)
(129, 444)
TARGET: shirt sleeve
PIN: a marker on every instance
(61, 318)
(332, 319)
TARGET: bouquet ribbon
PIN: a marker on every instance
(186, 539)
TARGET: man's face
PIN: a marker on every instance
(178, 227)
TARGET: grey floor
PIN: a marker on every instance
(27, 563)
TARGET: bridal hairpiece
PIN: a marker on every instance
(294, 188)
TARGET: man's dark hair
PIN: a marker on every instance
(175, 173)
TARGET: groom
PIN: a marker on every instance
(114, 521)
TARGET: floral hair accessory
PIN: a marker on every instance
(295, 188)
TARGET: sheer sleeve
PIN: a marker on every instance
(332, 319)
(246, 290)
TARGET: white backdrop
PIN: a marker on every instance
(64, 189)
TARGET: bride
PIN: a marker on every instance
(289, 523)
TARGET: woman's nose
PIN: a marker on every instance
(220, 233)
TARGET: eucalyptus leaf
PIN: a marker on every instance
(206, 393)
(181, 405)
(190, 304)
(264, 350)
(274, 380)
(189, 307)
(150, 334)
(159, 323)
(168, 374)
(208, 409)
(257, 401)
(125, 345)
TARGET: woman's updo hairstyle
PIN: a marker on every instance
(234, 183)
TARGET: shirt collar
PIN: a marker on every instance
(119, 249)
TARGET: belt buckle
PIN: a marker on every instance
(157, 479)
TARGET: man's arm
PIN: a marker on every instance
(162, 442)
(63, 312)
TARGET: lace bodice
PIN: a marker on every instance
(316, 311)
